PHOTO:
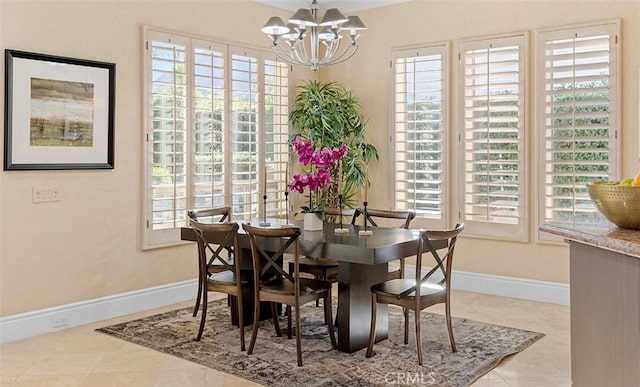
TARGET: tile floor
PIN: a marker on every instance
(82, 357)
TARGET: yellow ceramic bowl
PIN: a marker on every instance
(619, 204)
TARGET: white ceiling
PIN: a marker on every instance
(345, 6)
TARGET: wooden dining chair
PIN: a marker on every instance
(268, 246)
(326, 269)
(228, 281)
(434, 286)
(209, 215)
(375, 217)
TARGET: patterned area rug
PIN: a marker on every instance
(273, 363)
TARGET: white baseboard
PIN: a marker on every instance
(527, 289)
(24, 325)
(38, 322)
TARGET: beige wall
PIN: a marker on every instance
(88, 244)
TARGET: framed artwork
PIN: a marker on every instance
(59, 112)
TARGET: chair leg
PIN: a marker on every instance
(329, 319)
(406, 325)
(447, 311)
(256, 323)
(195, 309)
(276, 323)
(372, 331)
(240, 320)
(298, 335)
(289, 333)
(416, 313)
(203, 317)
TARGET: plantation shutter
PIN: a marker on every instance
(245, 166)
(276, 129)
(492, 139)
(208, 136)
(215, 117)
(578, 118)
(167, 121)
(420, 117)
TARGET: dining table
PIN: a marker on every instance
(362, 262)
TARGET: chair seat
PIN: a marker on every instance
(321, 268)
(226, 278)
(396, 287)
(217, 268)
(308, 286)
(321, 262)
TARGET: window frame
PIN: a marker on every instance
(442, 49)
(159, 238)
(611, 27)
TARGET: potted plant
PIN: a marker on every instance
(329, 115)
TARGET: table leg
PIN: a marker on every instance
(354, 305)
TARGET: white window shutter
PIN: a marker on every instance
(208, 137)
(492, 79)
(208, 133)
(166, 121)
(420, 132)
(577, 118)
(276, 134)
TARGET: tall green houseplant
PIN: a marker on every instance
(329, 115)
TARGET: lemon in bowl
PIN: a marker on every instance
(619, 203)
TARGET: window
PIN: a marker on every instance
(578, 115)
(420, 127)
(215, 132)
(492, 75)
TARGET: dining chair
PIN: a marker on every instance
(268, 246)
(434, 286)
(210, 215)
(228, 281)
(325, 269)
(376, 216)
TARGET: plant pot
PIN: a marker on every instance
(312, 222)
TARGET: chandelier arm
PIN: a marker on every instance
(283, 55)
(301, 53)
(344, 55)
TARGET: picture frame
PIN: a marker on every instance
(59, 112)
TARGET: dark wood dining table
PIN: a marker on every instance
(362, 262)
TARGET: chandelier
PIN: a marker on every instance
(314, 42)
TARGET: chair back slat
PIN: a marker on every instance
(375, 215)
(332, 215)
(215, 214)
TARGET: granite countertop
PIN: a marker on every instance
(604, 234)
